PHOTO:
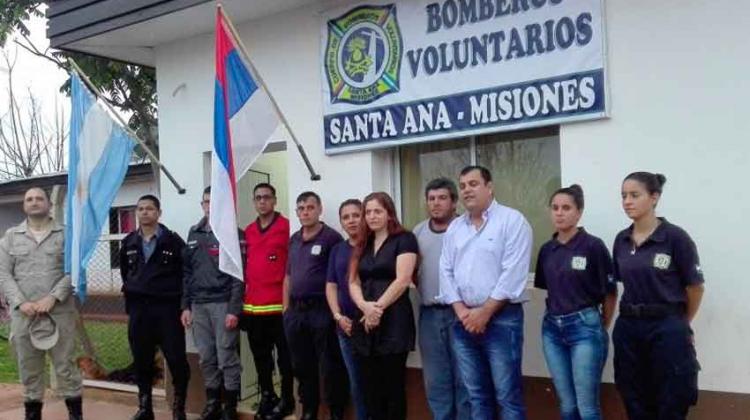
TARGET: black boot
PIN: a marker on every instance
(145, 406)
(284, 408)
(268, 401)
(75, 408)
(230, 404)
(33, 410)
(213, 405)
(178, 403)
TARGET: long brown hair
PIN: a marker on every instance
(365, 233)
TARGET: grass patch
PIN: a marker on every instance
(110, 339)
(8, 366)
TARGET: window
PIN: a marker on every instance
(121, 222)
(525, 170)
(421, 163)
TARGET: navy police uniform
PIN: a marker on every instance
(656, 369)
(309, 326)
(152, 282)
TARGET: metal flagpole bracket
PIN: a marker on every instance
(314, 176)
(124, 125)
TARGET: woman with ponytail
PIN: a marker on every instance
(656, 368)
(576, 270)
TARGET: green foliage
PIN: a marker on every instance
(13, 14)
(130, 88)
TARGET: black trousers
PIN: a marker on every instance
(656, 370)
(153, 323)
(384, 385)
(310, 333)
(264, 333)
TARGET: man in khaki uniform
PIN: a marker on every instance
(33, 282)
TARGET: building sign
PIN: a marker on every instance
(409, 71)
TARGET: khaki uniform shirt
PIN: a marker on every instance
(31, 270)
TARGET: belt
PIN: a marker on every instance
(304, 304)
(652, 310)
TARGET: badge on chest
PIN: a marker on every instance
(662, 261)
(578, 263)
(316, 249)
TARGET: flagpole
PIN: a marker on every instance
(313, 175)
(97, 93)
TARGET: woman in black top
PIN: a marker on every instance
(381, 270)
(656, 369)
(576, 270)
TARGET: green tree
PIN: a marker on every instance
(128, 87)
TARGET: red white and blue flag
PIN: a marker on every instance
(244, 120)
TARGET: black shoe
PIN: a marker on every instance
(212, 411)
(178, 404)
(33, 410)
(145, 406)
(284, 408)
(230, 404)
(268, 400)
(75, 408)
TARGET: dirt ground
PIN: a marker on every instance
(98, 404)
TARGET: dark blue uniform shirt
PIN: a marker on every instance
(577, 274)
(307, 266)
(338, 273)
(657, 271)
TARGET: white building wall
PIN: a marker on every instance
(678, 83)
(131, 191)
(678, 86)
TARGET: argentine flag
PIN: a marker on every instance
(244, 120)
(98, 156)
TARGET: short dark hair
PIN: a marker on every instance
(151, 198)
(350, 202)
(654, 183)
(484, 172)
(264, 185)
(442, 183)
(307, 195)
(45, 192)
(574, 191)
(207, 190)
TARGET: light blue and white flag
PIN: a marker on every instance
(99, 153)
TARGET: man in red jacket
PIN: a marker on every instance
(267, 249)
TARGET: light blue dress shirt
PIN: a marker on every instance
(489, 262)
(150, 246)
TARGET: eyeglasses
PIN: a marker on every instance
(266, 197)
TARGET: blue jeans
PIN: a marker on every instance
(446, 393)
(490, 365)
(575, 347)
(355, 376)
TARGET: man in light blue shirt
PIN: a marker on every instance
(484, 267)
